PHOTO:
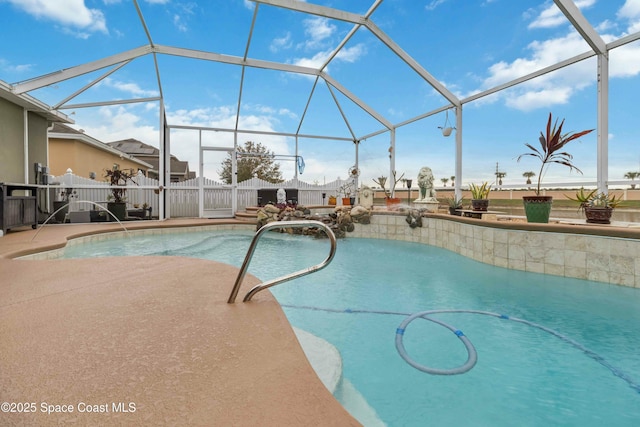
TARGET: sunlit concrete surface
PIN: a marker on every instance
(146, 341)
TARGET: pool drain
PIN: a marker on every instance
(472, 355)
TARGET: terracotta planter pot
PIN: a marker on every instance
(346, 201)
(393, 202)
(537, 208)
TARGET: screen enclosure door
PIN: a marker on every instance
(216, 200)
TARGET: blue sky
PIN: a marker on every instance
(467, 45)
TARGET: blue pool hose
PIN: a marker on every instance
(471, 351)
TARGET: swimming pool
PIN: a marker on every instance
(524, 376)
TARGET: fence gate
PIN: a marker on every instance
(215, 200)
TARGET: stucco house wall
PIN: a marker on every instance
(12, 136)
(83, 159)
(23, 123)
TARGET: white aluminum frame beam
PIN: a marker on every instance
(90, 84)
(357, 100)
(79, 70)
(317, 10)
(344, 117)
(234, 60)
(114, 102)
(261, 132)
(415, 66)
(580, 23)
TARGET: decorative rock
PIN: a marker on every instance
(361, 215)
(358, 211)
(271, 209)
(414, 218)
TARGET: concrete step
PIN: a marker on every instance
(250, 214)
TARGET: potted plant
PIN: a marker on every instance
(118, 179)
(346, 192)
(332, 200)
(537, 208)
(389, 195)
(597, 206)
(480, 196)
(455, 203)
(61, 207)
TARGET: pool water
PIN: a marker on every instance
(524, 376)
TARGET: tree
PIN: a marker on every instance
(258, 162)
(499, 176)
(453, 180)
(444, 181)
(529, 175)
(632, 176)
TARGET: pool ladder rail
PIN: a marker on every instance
(285, 278)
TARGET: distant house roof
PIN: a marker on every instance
(61, 131)
(151, 154)
(135, 147)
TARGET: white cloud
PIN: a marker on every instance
(538, 98)
(317, 29)
(179, 23)
(551, 16)
(280, 43)
(625, 61)
(15, 69)
(549, 89)
(558, 87)
(351, 54)
(115, 123)
(630, 10)
(130, 88)
(315, 61)
(71, 14)
(434, 4)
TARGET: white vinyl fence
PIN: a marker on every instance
(183, 197)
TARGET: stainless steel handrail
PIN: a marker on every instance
(299, 273)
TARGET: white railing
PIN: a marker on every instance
(184, 196)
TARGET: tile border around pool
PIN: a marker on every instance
(559, 251)
(608, 259)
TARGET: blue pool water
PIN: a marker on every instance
(524, 376)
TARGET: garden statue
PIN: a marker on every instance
(366, 196)
(425, 182)
(281, 196)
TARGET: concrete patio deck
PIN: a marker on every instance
(146, 341)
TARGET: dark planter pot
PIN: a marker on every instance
(537, 208)
(454, 211)
(98, 216)
(59, 216)
(119, 210)
(352, 201)
(598, 215)
(480, 204)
